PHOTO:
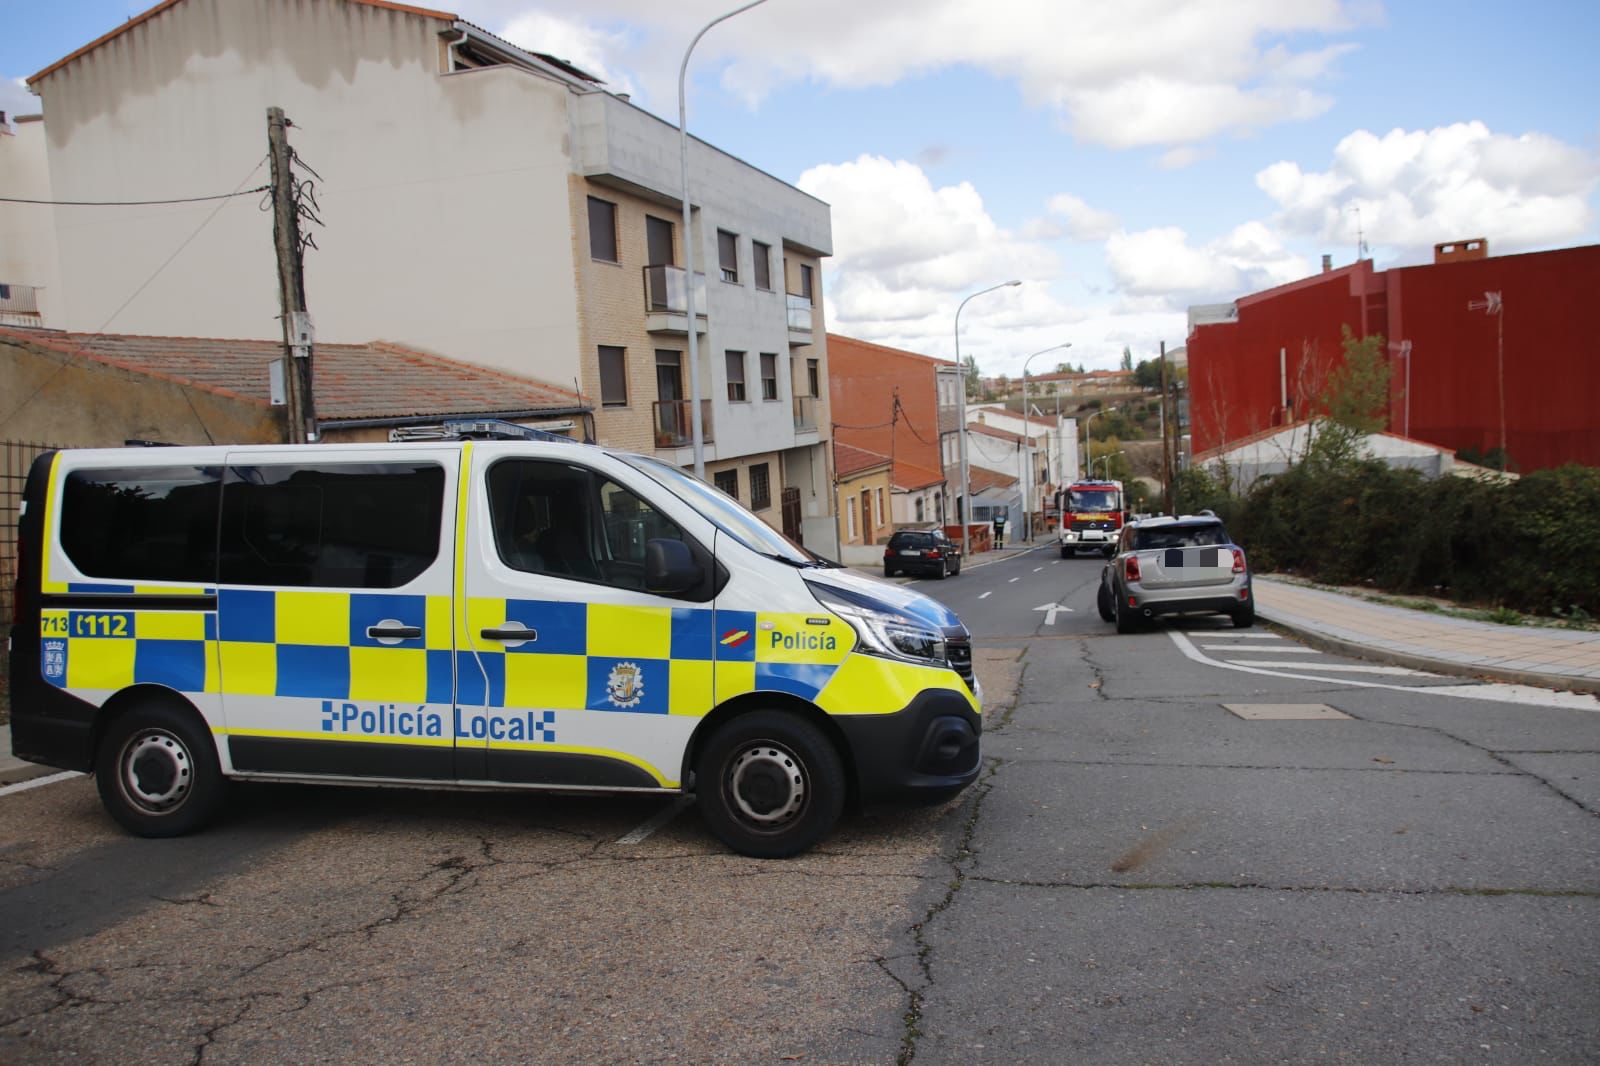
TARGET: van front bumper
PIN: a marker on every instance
(925, 753)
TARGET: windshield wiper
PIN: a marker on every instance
(798, 564)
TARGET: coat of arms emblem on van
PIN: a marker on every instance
(625, 686)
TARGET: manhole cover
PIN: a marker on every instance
(1263, 712)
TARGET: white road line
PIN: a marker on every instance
(1246, 636)
(986, 595)
(656, 821)
(1254, 650)
(1524, 694)
(1015, 579)
(38, 782)
(1037, 569)
(1055, 562)
(1392, 671)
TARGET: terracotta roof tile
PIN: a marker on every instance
(848, 459)
(910, 476)
(982, 480)
(352, 381)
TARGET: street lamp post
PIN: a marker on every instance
(1027, 483)
(696, 428)
(1088, 442)
(966, 485)
(1106, 459)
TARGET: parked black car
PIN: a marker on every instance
(921, 551)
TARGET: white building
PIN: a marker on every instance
(478, 200)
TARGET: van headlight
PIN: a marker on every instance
(885, 633)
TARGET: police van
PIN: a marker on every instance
(517, 614)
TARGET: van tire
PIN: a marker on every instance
(1244, 617)
(157, 771)
(755, 767)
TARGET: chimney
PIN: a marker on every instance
(1327, 262)
(1461, 251)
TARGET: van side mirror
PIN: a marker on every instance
(668, 566)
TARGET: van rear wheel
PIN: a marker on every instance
(157, 771)
(770, 784)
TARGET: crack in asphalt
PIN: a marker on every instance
(1356, 890)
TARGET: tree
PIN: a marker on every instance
(974, 379)
(1063, 368)
(1147, 375)
(1127, 358)
(1355, 401)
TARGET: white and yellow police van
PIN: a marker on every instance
(534, 614)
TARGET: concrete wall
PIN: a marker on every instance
(444, 197)
(55, 399)
(873, 482)
(27, 231)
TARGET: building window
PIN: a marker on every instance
(761, 260)
(613, 376)
(760, 488)
(880, 507)
(806, 283)
(727, 481)
(728, 255)
(735, 376)
(814, 377)
(602, 230)
(920, 509)
(658, 243)
(769, 376)
(850, 513)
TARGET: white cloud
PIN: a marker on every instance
(1083, 223)
(1416, 188)
(1161, 263)
(1149, 72)
(589, 48)
(15, 99)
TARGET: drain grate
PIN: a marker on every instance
(1268, 712)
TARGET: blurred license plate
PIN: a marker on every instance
(909, 551)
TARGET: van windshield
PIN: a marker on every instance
(722, 510)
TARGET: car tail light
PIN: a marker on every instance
(1238, 560)
(1130, 569)
(888, 553)
(933, 553)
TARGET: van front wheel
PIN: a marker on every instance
(770, 785)
(157, 771)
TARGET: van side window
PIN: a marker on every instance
(142, 523)
(565, 521)
(349, 525)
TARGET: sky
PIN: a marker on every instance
(1123, 160)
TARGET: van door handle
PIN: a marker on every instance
(510, 634)
(393, 631)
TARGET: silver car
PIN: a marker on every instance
(1184, 565)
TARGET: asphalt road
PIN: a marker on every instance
(1141, 875)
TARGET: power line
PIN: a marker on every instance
(134, 203)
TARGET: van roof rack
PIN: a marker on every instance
(479, 429)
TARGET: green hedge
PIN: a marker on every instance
(1532, 545)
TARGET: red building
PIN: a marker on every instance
(1261, 361)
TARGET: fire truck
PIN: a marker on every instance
(1092, 515)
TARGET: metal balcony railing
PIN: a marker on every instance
(22, 299)
(666, 288)
(805, 413)
(672, 423)
(800, 313)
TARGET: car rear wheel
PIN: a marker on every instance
(1244, 617)
(1102, 603)
(157, 771)
(769, 784)
(1127, 622)
(888, 571)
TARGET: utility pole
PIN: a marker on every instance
(1166, 452)
(297, 334)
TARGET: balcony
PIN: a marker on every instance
(805, 414)
(672, 423)
(19, 305)
(801, 314)
(666, 300)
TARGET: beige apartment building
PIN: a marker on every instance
(481, 201)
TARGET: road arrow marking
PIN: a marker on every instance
(1050, 610)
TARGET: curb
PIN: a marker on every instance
(1317, 639)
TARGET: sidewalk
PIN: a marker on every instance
(1528, 655)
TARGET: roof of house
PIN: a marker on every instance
(995, 431)
(909, 477)
(838, 338)
(981, 480)
(145, 16)
(848, 460)
(352, 382)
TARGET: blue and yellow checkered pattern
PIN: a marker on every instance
(314, 644)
